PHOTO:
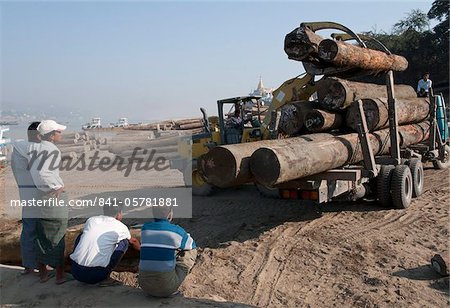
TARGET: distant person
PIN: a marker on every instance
(167, 254)
(424, 85)
(45, 159)
(101, 246)
(27, 191)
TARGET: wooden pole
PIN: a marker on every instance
(302, 44)
(292, 117)
(411, 110)
(10, 248)
(228, 165)
(282, 161)
(321, 121)
(347, 55)
(335, 93)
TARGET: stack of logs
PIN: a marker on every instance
(141, 143)
(322, 134)
(185, 124)
(74, 144)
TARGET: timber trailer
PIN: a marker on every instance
(394, 179)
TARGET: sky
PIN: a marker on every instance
(149, 60)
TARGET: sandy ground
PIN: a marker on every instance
(264, 252)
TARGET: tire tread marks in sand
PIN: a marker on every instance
(277, 255)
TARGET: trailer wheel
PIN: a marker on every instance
(384, 185)
(268, 192)
(199, 186)
(417, 176)
(402, 186)
(445, 162)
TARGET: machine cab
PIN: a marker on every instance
(239, 119)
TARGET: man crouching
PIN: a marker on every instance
(101, 246)
(167, 255)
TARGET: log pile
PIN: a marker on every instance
(321, 56)
(74, 144)
(322, 134)
(140, 144)
(184, 124)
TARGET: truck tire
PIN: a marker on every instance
(445, 162)
(268, 192)
(192, 178)
(384, 185)
(417, 176)
(401, 186)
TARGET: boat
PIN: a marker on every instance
(94, 124)
(122, 122)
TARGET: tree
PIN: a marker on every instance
(415, 20)
(426, 50)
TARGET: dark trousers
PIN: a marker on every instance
(96, 274)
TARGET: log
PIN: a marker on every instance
(282, 161)
(411, 110)
(160, 150)
(120, 147)
(321, 121)
(347, 55)
(68, 141)
(228, 165)
(10, 247)
(302, 44)
(188, 121)
(76, 149)
(191, 125)
(336, 93)
(71, 135)
(145, 157)
(293, 117)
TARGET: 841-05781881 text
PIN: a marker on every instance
(136, 202)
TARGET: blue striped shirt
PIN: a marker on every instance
(160, 241)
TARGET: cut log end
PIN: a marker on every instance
(265, 165)
(328, 50)
(320, 121)
(220, 166)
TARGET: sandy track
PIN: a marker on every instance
(266, 252)
(273, 252)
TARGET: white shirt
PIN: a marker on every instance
(98, 241)
(44, 160)
(422, 84)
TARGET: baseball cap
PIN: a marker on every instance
(47, 126)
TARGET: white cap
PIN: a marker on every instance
(47, 126)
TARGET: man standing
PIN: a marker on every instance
(424, 85)
(167, 255)
(101, 246)
(45, 159)
(27, 191)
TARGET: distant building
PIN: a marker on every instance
(266, 93)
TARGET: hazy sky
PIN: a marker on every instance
(158, 60)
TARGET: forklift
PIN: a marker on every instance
(237, 122)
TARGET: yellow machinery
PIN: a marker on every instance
(220, 131)
(238, 125)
